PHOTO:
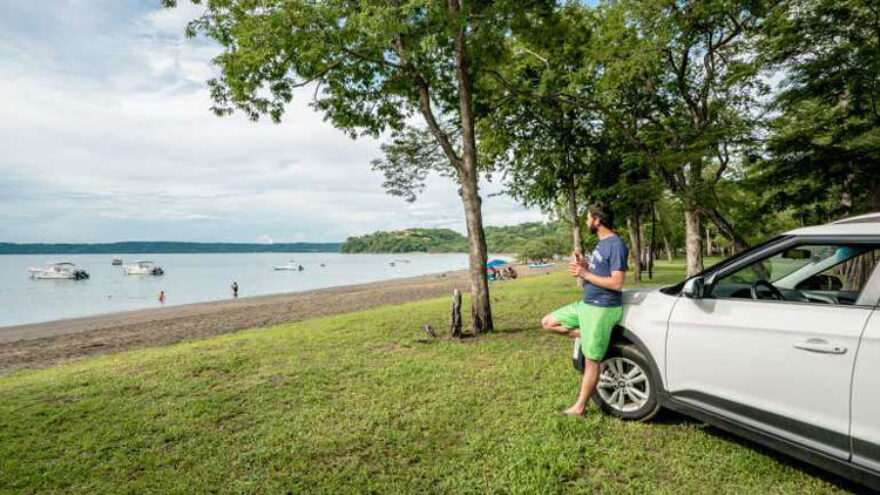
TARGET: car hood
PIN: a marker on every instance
(637, 297)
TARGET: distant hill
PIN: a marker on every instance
(135, 247)
(509, 239)
(407, 241)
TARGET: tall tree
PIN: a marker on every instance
(675, 78)
(544, 147)
(373, 66)
(823, 152)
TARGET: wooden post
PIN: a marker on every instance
(455, 329)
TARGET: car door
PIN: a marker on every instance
(781, 366)
(865, 397)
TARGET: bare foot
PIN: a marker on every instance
(575, 411)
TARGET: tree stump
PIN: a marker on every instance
(455, 328)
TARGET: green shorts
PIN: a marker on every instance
(595, 324)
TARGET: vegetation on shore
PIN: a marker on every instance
(407, 241)
(509, 239)
(355, 403)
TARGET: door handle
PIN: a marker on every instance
(819, 345)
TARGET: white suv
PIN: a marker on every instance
(779, 344)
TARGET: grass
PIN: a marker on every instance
(354, 403)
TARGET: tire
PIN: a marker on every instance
(625, 379)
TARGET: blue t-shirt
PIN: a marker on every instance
(609, 256)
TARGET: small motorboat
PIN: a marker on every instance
(290, 266)
(62, 270)
(116, 262)
(401, 260)
(143, 268)
(539, 265)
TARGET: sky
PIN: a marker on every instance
(106, 135)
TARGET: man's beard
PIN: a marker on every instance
(593, 228)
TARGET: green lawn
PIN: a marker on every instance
(354, 403)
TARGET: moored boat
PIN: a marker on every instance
(62, 270)
(143, 268)
(291, 266)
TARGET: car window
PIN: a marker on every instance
(820, 274)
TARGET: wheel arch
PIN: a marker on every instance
(623, 336)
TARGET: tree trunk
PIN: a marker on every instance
(856, 271)
(846, 199)
(708, 242)
(653, 244)
(670, 256)
(873, 200)
(635, 235)
(693, 240)
(576, 233)
(577, 238)
(455, 324)
(737, 242)
(481, 310)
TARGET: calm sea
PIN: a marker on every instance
(190, 278)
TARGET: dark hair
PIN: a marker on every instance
(603, 213)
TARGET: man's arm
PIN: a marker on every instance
(614, 282)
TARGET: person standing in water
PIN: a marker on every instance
(234, 289)
(162, 297)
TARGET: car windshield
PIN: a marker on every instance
(831, 274)
(799, 260)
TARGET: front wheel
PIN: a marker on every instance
(627, 389)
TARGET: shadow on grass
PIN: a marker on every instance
(837, 481)
(668, 417)
(517, 329)
(672, 418)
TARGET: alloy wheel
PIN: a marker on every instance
(623, 384)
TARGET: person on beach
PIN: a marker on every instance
(594, 317)
(234, 289)
(162, 297)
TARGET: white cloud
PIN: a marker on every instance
(107, 136)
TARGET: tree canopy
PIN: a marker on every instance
(706, 124)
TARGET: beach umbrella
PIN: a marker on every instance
(495, 262)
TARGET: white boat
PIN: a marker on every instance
(62, 270)
(291, 266)
(116, 262)
(143, 268)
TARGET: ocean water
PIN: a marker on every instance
(190, 278)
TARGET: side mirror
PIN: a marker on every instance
(693, 288)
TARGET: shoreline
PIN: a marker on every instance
(46, 343)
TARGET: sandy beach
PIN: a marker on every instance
(43, 344)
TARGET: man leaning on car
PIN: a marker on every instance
(594, 317)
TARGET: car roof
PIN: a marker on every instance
(868, 224)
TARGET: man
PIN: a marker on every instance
(594, 317)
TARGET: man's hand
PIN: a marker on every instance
(577, 269)
(579, 258)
